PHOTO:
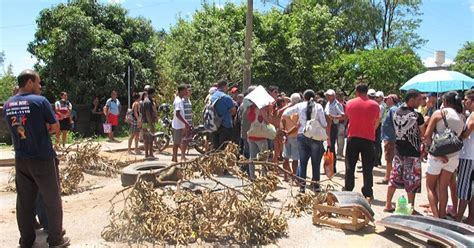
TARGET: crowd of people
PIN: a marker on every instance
(369, 128)
(293, 129)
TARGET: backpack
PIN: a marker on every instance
(212, 120)
(314, 130)
(129, 116)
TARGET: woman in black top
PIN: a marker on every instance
(96, 116)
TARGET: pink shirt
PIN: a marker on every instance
(363, 114)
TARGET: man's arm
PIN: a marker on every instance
(180, 118)
(53, 128)
(377, 120)
(470, 128)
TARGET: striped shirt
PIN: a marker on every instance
(334, 108)
(188, 111)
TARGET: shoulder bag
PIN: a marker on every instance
(261, 129)
(446, 142)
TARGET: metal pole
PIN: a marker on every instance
(248, 45)
(128, 88)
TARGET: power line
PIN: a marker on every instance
(17, 26)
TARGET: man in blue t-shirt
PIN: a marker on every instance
(389, 136)
(225, 108)
(30, 119)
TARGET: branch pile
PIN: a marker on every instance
(83, 157)
(141, 213)
(79, 157)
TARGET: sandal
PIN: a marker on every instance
(389, 210)
(383, 181)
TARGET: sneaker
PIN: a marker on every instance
(63, 243)
(317, 189)
(63, 232)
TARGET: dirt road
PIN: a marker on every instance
(86, 213)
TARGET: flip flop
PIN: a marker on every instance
(389, 210)
(383, 181)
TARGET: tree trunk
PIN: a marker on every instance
(248, 45)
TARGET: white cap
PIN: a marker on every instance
(379, 94)
(147, 87)
(371, 92)
(330, 93)
(212, 90)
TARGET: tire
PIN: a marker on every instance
(202, 142)
(147, 170)
(162, 142)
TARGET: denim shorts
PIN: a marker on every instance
(291, 149)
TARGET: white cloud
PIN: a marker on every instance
(430, 62)
(471, 5)
(116, 1)
(139, 5)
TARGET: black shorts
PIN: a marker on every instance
(65, 124)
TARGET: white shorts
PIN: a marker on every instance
(435, 166)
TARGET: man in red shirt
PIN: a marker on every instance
(363, 115)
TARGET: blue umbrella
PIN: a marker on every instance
(439, 81)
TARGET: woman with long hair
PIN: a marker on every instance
(441, 169)
(465, 186)
(135, 124)
(63, 109)
(308, 147)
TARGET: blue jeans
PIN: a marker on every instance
(309, 148)
(255, 148)
(245, 151)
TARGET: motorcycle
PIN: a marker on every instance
(162, 138)
(200, 141)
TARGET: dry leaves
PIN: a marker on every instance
(142, 213)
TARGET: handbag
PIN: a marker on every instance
(314, 130)
(261, 129)
(107, 127)
(329, 163)
(446, 142)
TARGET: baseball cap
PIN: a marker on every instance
(330, 93)
(379, 94)
(234, 90)
(371, 92)
(394, 98)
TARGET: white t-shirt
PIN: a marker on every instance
(178, 105)
(300, 109)
(467, 151)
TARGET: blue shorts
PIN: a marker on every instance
(291, 149)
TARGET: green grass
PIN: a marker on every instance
(5, 146)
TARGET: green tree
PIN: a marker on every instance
(400, 19)
(386, 70)
(464, 61)
(207, 48)
(293, 42)
(84, 47)
(7, 82)
(2, 60)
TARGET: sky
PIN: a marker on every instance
(446, 24)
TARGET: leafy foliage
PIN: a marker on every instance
(84, 48)
(385, 70)
(206, 49)
(7, 82)
(464, 61)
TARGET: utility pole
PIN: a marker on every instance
(248, 45)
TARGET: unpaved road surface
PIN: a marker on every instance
(86, 214)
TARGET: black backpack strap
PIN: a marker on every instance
(444, 119)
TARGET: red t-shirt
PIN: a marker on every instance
(363, 114)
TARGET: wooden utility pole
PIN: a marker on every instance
(248, 45)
